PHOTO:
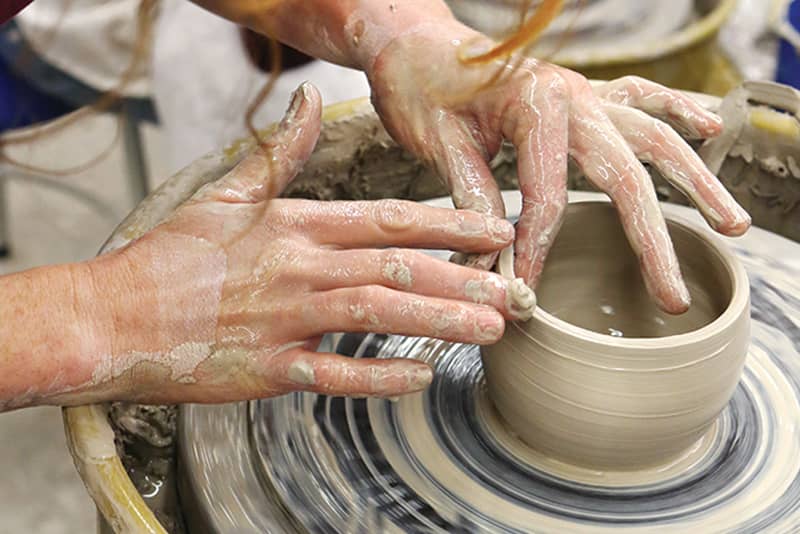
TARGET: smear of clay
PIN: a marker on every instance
(182, 361)
(395, 270)
(478, 291)
(357, 312)
(520, 299)
(302, 372)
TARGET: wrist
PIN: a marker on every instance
(104, 287)
(51, 331)
(106, 284)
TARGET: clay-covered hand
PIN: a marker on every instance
(455, 116)
(233, 291)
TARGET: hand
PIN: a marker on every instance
(229, 297)
(452, 117)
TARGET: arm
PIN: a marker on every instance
(348, 32)
(52, 327)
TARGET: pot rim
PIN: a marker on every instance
(737, 305)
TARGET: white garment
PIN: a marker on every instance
(91, 40)
(749, 41)
(203, 82)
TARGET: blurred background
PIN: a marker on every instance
(68, 176)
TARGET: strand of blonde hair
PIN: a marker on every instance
(145, 21)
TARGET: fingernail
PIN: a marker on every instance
(739, 224)
(743, 221)
(299, 97)
(734, 222)
(472, 224)
(714, 126)
(481, 291)
(301, 372)
(500, 230)
(678, 299)
(746, 219)
(490, 327)
(419, 378)
(684, 296)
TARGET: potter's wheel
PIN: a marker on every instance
(441, 461)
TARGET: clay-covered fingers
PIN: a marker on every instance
(540, 134)
(332, 374)
(418, 273)
(610, 164)
(269, 168)
(382, 310)
(657, 143)
(674, 107)
(462, 162)
(402, 223)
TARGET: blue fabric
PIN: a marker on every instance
(22, 105)
(789, 56)
(32, 90)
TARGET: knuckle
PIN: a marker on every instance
(661, 134)
(549, 197)
(363, 303)
(653, 132)
(290, 215)
(282, 256)
(369, 295)
(556, 204)
(545, 217)
(393, 215)
(558, 87)
(630, 80)
(634, 86)
(574, 80)
(397, 267)
(548, 91)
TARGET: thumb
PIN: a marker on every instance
(268, 169)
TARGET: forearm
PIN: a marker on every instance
(347, 32)
(52, 331)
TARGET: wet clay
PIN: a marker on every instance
(355, 159)
(600, 377)
(146, 443)
(757, 156)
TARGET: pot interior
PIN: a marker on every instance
(592, 279)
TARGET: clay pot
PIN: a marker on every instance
(600, 377)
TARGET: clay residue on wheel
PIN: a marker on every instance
(145, 438)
